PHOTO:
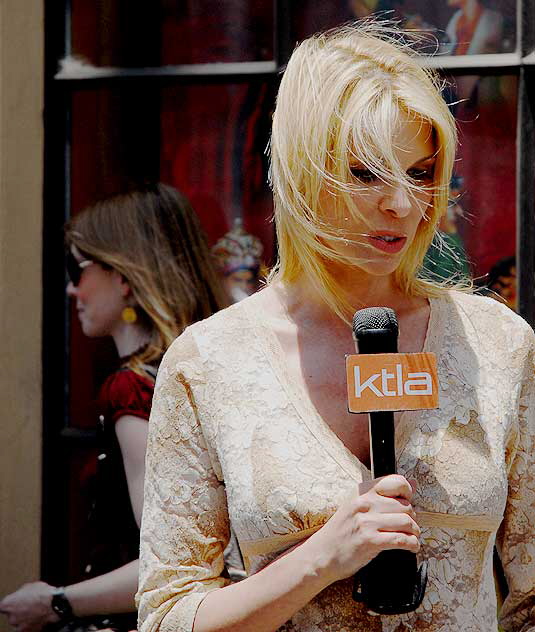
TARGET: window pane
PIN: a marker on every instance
(458, 28)
(171, 32)
(213, 148)
(480, 227)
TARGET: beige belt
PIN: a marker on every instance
(265, 546)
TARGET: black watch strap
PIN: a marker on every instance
(61, 605)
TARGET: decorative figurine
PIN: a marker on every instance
(238, 257)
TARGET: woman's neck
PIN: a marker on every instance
(358, 290)
(128, 338)
(302, 306)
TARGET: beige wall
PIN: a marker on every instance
(21, 168)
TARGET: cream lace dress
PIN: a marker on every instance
(233, 441)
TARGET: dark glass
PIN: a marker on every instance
(450, 30)
(74, 271)
(213, 149)
(171, 32)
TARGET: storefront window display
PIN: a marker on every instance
(487, 164)
(238, 256)
(207, 140)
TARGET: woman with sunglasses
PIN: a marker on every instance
(140, 272)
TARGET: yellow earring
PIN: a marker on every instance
(129, 315)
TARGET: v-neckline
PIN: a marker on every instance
(301, 401)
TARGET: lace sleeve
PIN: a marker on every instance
(516, 538)
(185, 520)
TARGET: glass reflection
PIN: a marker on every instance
(454, 27)
(479, 231)
(171, 32)
(213, 141)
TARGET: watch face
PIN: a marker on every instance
(61, 606)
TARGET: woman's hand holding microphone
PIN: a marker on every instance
(379, 518)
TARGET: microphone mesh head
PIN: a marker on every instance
(375, 318)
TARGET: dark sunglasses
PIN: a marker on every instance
(75, 268)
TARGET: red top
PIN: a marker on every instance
(125, 393)
(114, 535)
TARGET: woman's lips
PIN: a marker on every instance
(386, 242)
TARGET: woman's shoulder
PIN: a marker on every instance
(125, 392)
(475, 302)
(486, 314)
(126, 378)
(234, 317)
(225, 328)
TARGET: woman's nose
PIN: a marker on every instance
(71, 289)
(396, 201)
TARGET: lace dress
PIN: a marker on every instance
(234, 441)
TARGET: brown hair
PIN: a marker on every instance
(154, 239)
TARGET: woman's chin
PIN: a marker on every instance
(89, 330)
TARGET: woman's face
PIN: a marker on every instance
(393, 214)
(100, 298)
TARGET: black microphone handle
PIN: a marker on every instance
(382, 443)
(391, 583)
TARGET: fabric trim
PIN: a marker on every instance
(265, 546)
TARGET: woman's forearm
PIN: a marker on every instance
(266, 600)
(110, 593)
(378, 518)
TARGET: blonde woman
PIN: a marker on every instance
(140, 272)
(250, 425)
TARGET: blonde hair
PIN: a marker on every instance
(344, 94)
(153, 238)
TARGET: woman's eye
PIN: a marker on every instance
(421, 175)
(364, 175)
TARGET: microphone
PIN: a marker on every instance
(391, 583)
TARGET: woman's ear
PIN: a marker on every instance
(122, 283)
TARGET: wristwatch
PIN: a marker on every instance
(60, 604)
